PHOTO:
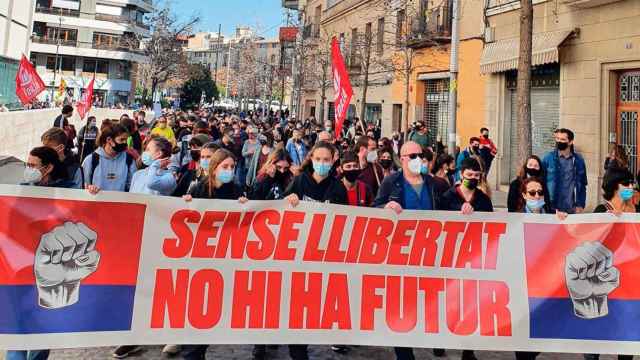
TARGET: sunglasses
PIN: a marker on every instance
(627, 183)
(414, 156)
(534, 192)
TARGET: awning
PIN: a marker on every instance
(433, 75)
(502, 55)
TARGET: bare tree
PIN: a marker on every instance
(524, 80)
(317, 68)
(166, 58)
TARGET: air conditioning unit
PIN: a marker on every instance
(489, 34)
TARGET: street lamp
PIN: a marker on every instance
(55, 68)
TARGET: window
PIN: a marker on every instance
(400, 20)
(51, 63)
(367, 34)
(106, 40)
(273, 59)
(64, 35)
(89, 66)
(103, 67)
(68, 63)
(317, 18)
(380, 42)
(354, 44)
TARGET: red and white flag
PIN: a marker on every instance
(341, 86)
(84, 105)
(28, 83)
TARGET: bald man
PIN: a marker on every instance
(407, 189)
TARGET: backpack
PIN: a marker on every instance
(95, 161)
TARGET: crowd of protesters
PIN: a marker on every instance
(207, 154)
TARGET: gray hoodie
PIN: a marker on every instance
(111, 174)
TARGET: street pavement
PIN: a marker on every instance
(243, 352)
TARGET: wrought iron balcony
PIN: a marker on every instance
(433, 28)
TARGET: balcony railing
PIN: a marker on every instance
(54, 41)
(432, 28)
(116, 47)
(121, 19)
(57, 11)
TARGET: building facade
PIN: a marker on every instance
(76, 40)
(15, 30)
(586, 77)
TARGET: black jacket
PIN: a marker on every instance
(392, 189)
(329, 190)
(229, 191)
(267, 188)
(452, 201)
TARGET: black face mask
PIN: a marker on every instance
(476, 149)
(280, 176)
(263, 142)
(471, 184)
(385, 163)
(486, 136)
(351, 175)
(562, 146)
(120, 147)
(195, 155)
(533, 172)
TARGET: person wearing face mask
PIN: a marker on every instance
(190, 172)
(472, 150)
(407, 189)
(110, 167)
(162, 129)
(87, 137)
(566, 175)
(218, 184)
(396, 142)
(296, 148)
(442, 170)
(43, 168)
(155, 179)
(531, 168)
(372, 173)
(259, 157)
(420, 135)
(316, 181)
(386, 159)
(488, 149)
(273, 178)
(466, 196)
(56, 138)
(358, 193)
(249, 148)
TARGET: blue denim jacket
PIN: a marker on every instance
(551, 164)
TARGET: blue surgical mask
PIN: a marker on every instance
(147, 159)
(424, 169)
(225, 176)
(535, 204)
(626, 194)
(204, 163)
(415, 166)
(322, 169)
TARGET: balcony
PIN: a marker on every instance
(54, 41)
(122, 20)
(583, 4)
(311, 31)
(433, 28)
(57, 11)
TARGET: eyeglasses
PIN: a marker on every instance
(627, 183)
(414, 156)
(534, 192)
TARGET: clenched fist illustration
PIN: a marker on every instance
(64, 257)
(590, 277)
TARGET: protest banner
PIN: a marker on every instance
(79, 271)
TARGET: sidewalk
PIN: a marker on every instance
(243, 352)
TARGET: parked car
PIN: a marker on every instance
(275, 106)
(226, 104)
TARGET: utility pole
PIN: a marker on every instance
(55, 68)
(524, 80)
(226, 90)
(215, 74)
(453, 80)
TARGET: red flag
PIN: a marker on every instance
(341, 86)
(28, 82)
(84, 105)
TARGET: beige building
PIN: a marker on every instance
(586, 78)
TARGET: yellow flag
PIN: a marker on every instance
(63, 87)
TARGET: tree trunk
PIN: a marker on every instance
(323, 94)
(524, 81)
(366, 65)
(405, 114)
(154, 86)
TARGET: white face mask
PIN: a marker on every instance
(415, 166)
(32, 175)
(372, 156)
